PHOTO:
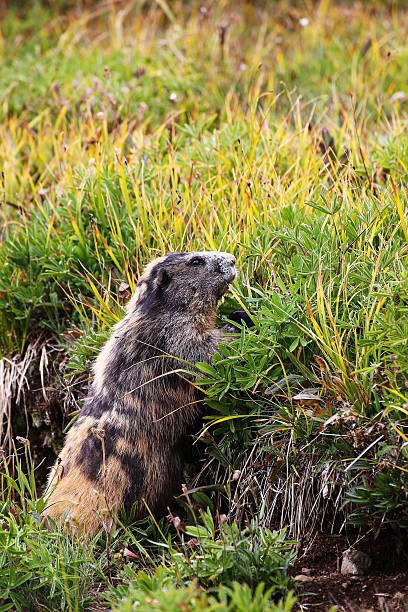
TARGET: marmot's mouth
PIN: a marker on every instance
(232, 276)
(224, 287)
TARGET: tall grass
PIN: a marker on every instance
(278, 135)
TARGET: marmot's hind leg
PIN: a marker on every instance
(77, 500)
(164, 475)
(92, 500)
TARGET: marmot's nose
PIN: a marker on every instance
(225, 263)
(227, 259)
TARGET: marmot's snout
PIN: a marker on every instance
(225, 264)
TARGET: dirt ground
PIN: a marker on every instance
(383, 588)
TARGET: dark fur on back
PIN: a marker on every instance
(129, 440)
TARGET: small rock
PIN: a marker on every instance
(306, 570)
(355, 562)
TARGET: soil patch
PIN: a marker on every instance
(383, 588)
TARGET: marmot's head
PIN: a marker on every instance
(183, 282)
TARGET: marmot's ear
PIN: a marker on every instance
(163, 279)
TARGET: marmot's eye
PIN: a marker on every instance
(197, 261)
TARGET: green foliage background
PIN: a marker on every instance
(275, 132)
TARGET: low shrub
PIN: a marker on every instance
(158, 593)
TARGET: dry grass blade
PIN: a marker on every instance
(13, 381)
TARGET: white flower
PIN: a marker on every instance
(397, 97)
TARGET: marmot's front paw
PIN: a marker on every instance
(242, 317)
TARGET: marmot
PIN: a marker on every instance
(129, 440)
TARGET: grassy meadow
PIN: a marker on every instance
(272, 130)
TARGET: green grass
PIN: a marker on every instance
(126, 132)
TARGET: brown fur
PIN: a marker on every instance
(129, 441)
